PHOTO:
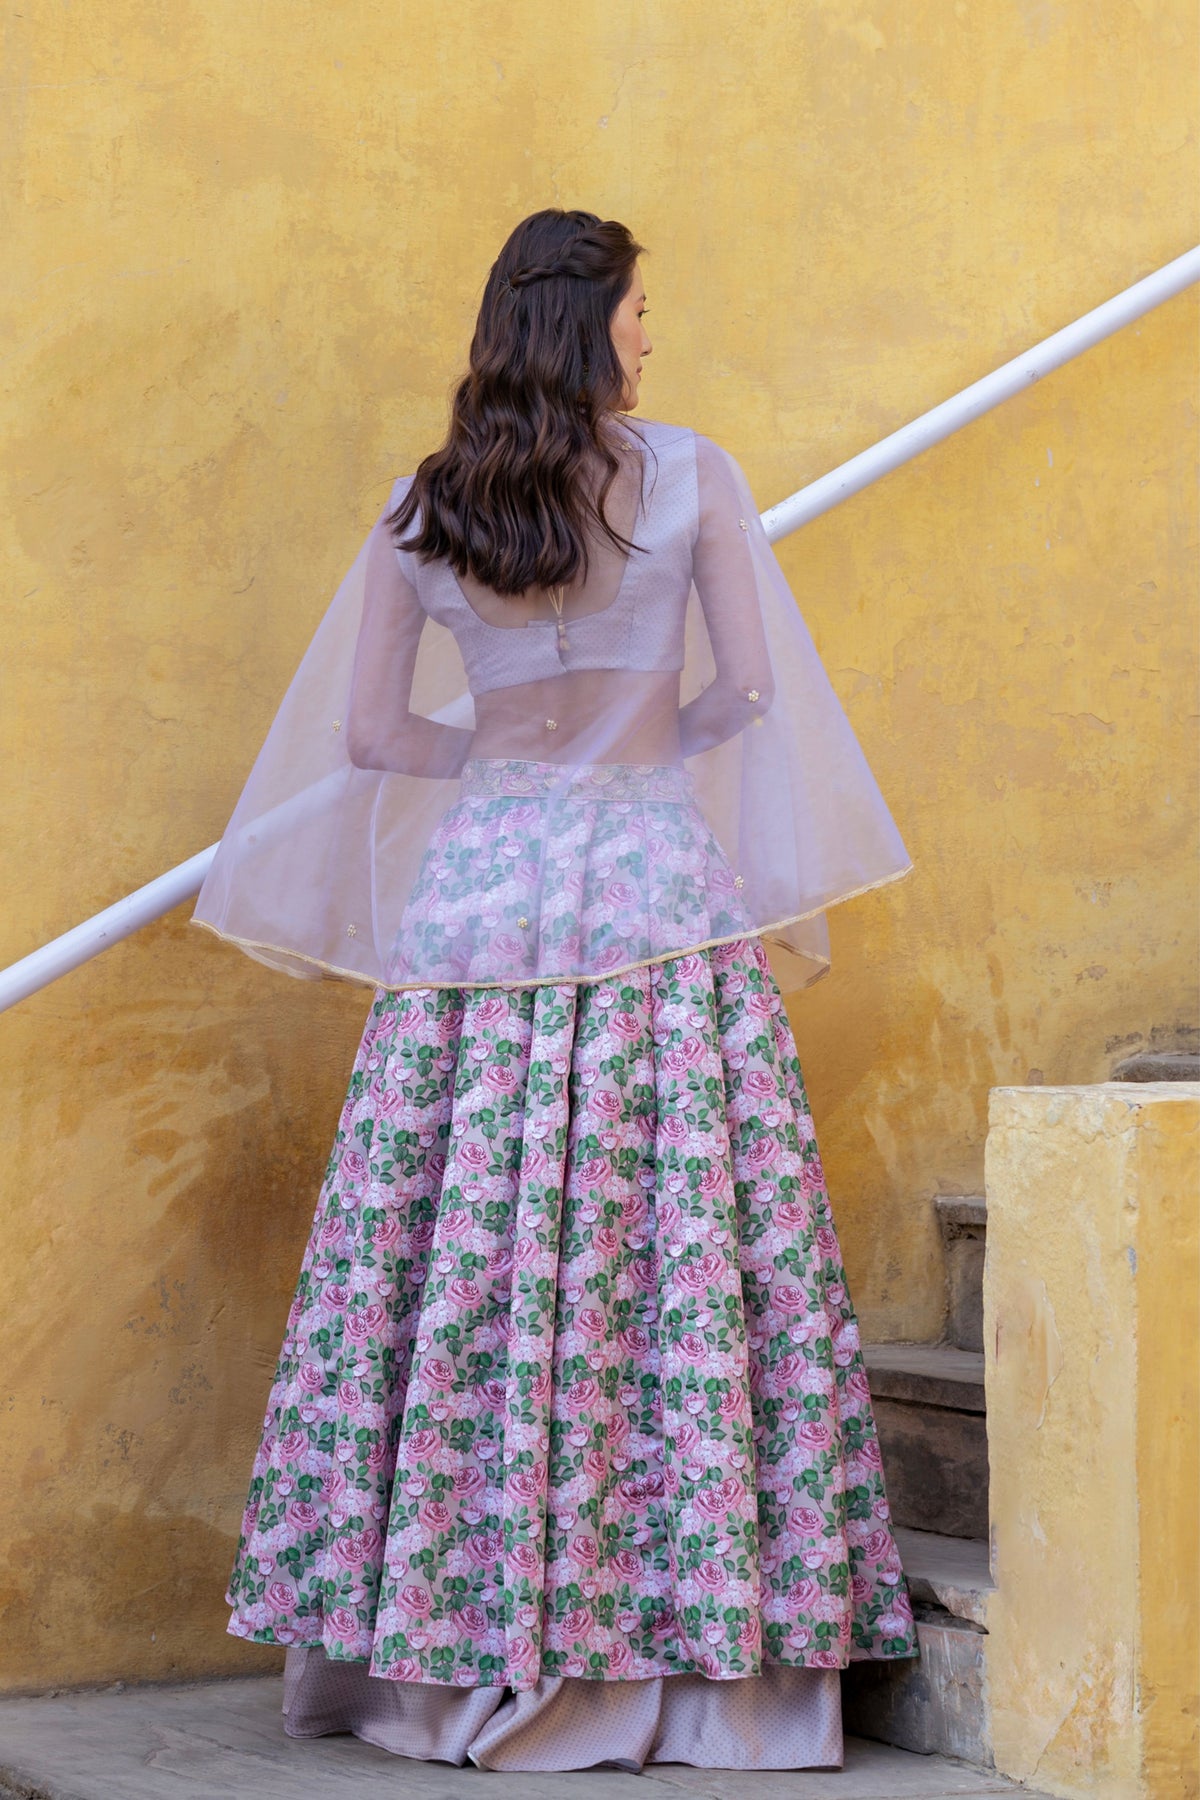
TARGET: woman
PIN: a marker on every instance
(570, 1457)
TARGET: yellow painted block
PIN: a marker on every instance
(1092, 1346)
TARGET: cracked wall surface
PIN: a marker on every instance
(243, 248)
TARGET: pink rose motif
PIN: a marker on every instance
(357, 1548)
(812, 1181)
(620, 1659)
(686, 968)
(749, 1634)
(473, 1620)
(697, 1276)
(576, 1622)
(435, 1514)
(365, 1324)
(877, 1547)
(439, 1373)
(634, 1341)
(342, 1622)
(719, 1498)
(281, 1596)
(815, 1433)
(731, 1404)
(826, 1240)
(469, 1481)
(581, 1394)
(423, 1441)
(627, 1564)
(673, 1127)
(303, 1515)
(349, 1396)
(626, 1025)
(463, 1291)
(486, 1547)
(826, 1659)
(524, 1557)
(638, 1491)
(354, 1165)
(312, 1377)
(473, 1155)
(606, 1103)
(644, 1270)
(595, 1464)
(584, 1550)
(804, 1593)
(761, 1152)
(759, 1083)
(711, 1181)
(591, 1322)
(621, 893)
(415, 1601)
(493, 1392)
(763, 1005)
(387, 1231)
(292, 1444)
(606, 1241)
(692, 1345)
(500, 1078)
(526, 1484)
(489, 1010)
(808, 1519)
(790, 1299)
(792, 1214)
(711, 1575)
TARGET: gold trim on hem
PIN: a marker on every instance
(356, 976)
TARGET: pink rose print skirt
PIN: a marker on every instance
(571, 1385)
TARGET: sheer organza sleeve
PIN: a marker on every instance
(743, 683)
(383, 733)
(777, 767)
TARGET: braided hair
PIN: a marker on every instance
(507, 498)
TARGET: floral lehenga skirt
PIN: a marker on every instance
(570, 1456)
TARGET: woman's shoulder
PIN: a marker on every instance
(661, 436)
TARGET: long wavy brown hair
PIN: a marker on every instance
(511, 496)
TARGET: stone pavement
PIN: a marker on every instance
(223, 1740)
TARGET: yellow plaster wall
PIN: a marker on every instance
(1092, 1348)
(243, 247)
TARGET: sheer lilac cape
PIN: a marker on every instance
(465, 790)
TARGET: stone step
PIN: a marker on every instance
(950, 1572)
(929, 1407)
(1159, 1065)
(963, 1221)
(933, 1703)
(936, 1704)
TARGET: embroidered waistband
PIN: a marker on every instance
(598, 781)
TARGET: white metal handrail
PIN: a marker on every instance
(148, 903)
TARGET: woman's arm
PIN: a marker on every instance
(382, 733)
(726, 582)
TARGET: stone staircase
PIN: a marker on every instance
(930, 1411)
(932, 1417)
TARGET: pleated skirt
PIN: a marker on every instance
(570, 1457)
